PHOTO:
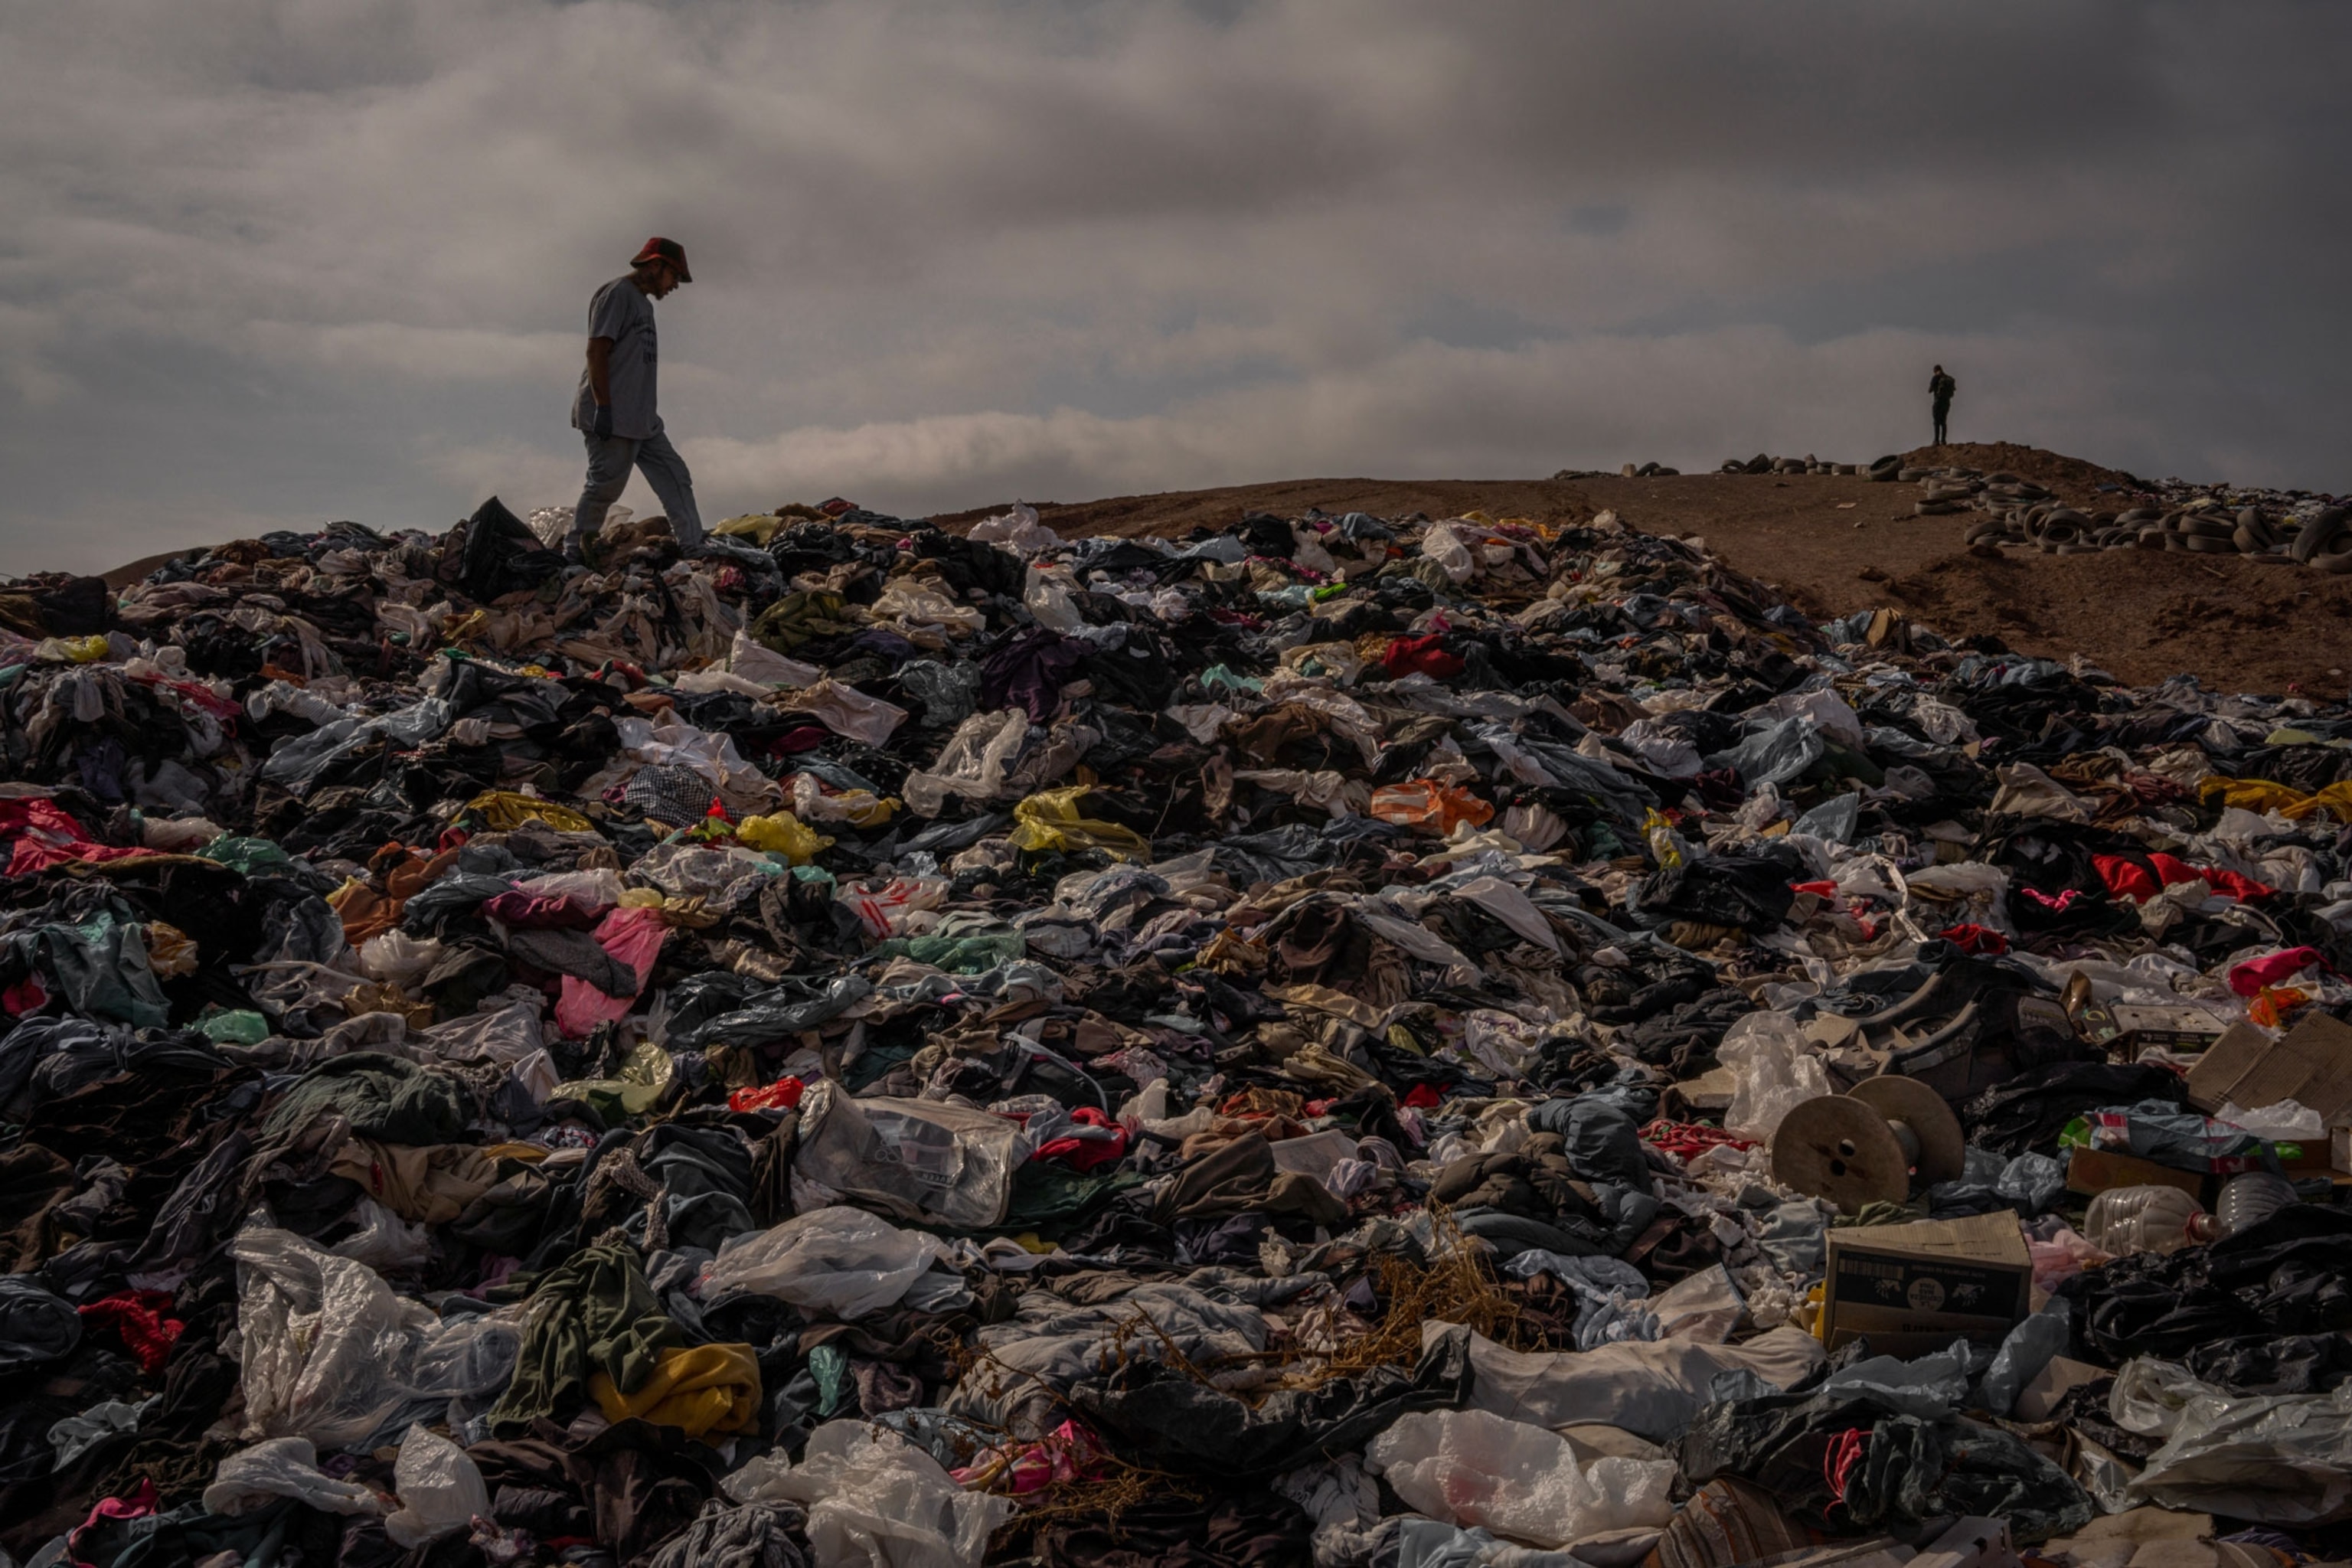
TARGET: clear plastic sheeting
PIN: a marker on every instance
(2279, 1459)
(1476, 1469)
(842, 1262)
(441, 1490)
(875, 1500)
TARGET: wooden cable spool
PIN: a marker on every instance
(1865, 1147)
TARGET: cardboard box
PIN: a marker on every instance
(2094, 1171)
(1914, 1288)
(2182, 1028)
(2311, 1065)
(2037, 1398)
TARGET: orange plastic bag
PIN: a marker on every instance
(1428, 804)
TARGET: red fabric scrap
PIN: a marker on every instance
(46, 834)
(137, 1319)
(1838, 1460)
(1975, 939)
(784, 1094)
(1420, 655)
(1084, 1151)
(1686, 1141)
(1423, 1096)
(2251, 977)
(2127, 879)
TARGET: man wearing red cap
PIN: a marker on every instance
(614, 410)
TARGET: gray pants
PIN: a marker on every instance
(610, 457)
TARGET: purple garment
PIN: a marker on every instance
(1029, 673)
(537, 912)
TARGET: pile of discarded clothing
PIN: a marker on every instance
(1373, 1042)
(2278, 528)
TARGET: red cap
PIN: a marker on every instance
(661, 250)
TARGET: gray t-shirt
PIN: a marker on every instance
(623, 313)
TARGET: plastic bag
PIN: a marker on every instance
(1773, 1070)
(925, 1162)
(973, 765)
(385, 1242)
(875, 1500)
(1446, 547)
(2280, 1459)
(285, 1467)
(1426, 804)
(441, 1490)
(841, 1262)
(399, 959)
(1475, 1467)
(2024, 1354)
(1050, 820)
(783, 834)
(327, 1350)
(1047, 598)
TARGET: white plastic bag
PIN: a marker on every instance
(284, 1467)
(972, 764)
(441, 1490)
(1019, 529)
(875, 1500)
(1446, 547)
(399, 959)
(842, 1262)
(330, 1353)
(1773, 1070)
(1474, 1467)
(1047, 598)
(2279, 1459)
(385, 1242)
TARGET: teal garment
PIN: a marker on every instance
(595, 1313)
(957, 954)
(101, 968)
(251, 856)
(240, 1026)
(383, 1097)
(829, 1364)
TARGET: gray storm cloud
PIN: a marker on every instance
(269, 262)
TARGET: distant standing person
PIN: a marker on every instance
(614, 408)
(1940, 387)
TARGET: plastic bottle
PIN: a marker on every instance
(2246, 1201)
(2124, 1220)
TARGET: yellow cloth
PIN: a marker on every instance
(1050, 820)
(2261, 795)
(505, 810)
(710, 1388)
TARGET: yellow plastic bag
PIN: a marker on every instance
(783, 834)
(758, 527)
(505, 810)
(1050, 820)
(72, 650)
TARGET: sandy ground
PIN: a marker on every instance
(1835, 544)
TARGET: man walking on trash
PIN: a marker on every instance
(1940, 387)
(614, 410)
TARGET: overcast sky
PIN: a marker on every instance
(267, 263)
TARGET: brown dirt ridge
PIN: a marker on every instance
(1835, 544)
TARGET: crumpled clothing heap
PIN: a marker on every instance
(890, 1043)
